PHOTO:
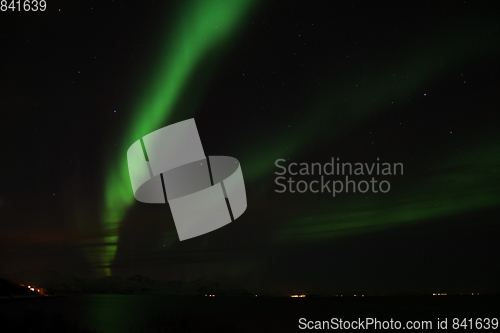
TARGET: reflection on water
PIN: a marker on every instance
(104, 313)
(116, 313)
(165, 313)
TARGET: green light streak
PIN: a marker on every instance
(361, 96)
(458, 186)
(203, 27)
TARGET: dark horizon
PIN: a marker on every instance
(51, 285)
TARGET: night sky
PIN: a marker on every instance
(411, 82)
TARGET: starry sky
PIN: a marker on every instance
(408, 82)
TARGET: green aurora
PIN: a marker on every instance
(203, 27)
(458, 185)
(206, 27)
